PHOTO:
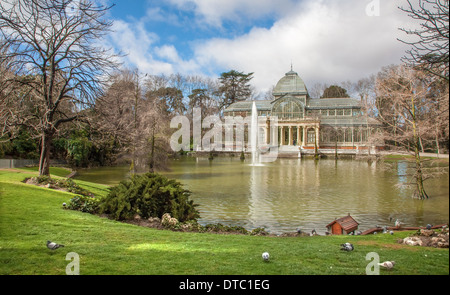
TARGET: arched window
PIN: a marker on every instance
(357, 135)
(288, 108)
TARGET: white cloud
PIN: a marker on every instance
(142, 48)
(133, 40)
(214, 12)
(327, 41)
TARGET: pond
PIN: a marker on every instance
(300, 193)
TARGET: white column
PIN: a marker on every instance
(317, 137)
(281, 135)
(305, 139)
(290, 135)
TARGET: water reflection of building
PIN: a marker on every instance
(305, 122)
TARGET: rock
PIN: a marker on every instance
(442, 245)
(154, 219)
(186, 226)
(439, 242)
(165, 218)
(426, 232)
(412, 241)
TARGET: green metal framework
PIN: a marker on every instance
(288, 108)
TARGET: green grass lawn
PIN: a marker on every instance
(30, 215)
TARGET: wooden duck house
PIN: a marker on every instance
(343, 226)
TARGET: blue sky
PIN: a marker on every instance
(327, 41)
(183, 26)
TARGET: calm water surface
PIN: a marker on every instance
(300, 193)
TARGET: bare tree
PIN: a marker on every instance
(115, 111)
(317, 89)
(430, 48)
(134, 115)
(154, 127)
(434, 134)
(405, 112)
(55, 60)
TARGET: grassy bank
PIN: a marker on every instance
(407, 157)
(30, 215)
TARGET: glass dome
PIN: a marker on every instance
(288, 108)
(290, 83)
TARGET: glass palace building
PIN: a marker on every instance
(311, 124)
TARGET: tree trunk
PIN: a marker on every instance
(437, 141)
(335, 150)
(44, 161)
(316, 151)
(152, 153)
(420, 193)
(421, 145)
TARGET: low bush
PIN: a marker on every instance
(149, 195)
(72, 187)
(84, 204)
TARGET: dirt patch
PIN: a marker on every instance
(33, 181)
(151, 222)
(61, 184)
(380, 244)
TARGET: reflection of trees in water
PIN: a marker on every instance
(402, 172)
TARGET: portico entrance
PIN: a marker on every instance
(298, 134)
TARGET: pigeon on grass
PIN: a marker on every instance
(53, 245)
(265, 256)
(347, 247)
(387, 264)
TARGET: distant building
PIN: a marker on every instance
(343, 226)
(305, 123)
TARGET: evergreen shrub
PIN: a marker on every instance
(149, 195)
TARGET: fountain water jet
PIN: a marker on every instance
(256, 161)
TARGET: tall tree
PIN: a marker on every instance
(404, 92)
(334, 91)
(200, 98)
(115, 111)
(136, 119)
(55, 58)
(234, 86)
(154, 126)
(172, 98)
(430, 46)
(435, 133)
